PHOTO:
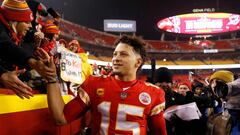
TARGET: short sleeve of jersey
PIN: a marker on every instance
(88, 83)
(86, 89)
(159, 102)
(79, 105)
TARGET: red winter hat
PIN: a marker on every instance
(51, 28)
(186, 84)
(16, 10)
(77, 44)
(63, 41)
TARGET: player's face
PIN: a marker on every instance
(125, 61)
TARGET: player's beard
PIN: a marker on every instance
(116, 73)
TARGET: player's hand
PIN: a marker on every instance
(45, 65)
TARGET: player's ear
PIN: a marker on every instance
(139, 62)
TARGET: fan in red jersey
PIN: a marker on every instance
(119, 104)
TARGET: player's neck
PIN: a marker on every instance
(125, 78)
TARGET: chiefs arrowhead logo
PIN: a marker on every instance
(144, 98)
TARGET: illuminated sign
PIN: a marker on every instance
(198, 10)
(201, 23)
(119, 25)
(210, 51)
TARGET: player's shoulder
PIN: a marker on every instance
(149, 85)
(99, 77)
(152, 87)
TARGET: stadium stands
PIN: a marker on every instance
(169, 48)
(162, 45)
(223, 44)
(220, 62)
(161, 62)
(189, 62)
(87, 34)
(102, 38)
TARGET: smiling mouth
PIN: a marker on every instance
(117, 65)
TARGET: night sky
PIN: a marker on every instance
(147, 13)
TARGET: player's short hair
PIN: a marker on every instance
(137, 43)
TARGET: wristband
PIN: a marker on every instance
(53, 80)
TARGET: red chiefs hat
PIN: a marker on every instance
(186, 84)
(51, 28)
(77, 44)
(16, 10)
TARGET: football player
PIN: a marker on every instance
(120, 104)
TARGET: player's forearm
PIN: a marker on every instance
(56, 103)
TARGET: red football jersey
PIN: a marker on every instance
(118, 111)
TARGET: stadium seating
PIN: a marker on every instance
(93, 57)
(189, 62)
(104, 58)
(161, 62)
(222, 44)
(220, 62)
(88, 35)
(161, 45)
(103, 39)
